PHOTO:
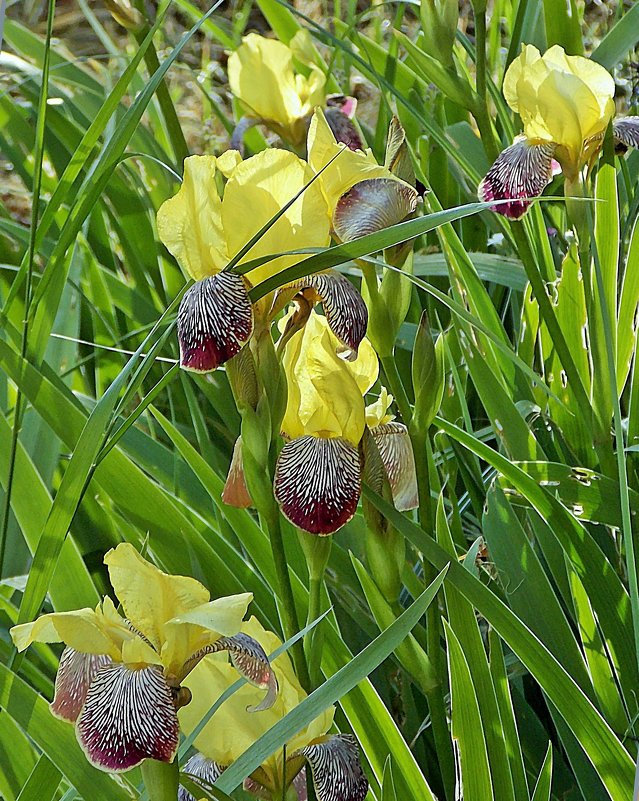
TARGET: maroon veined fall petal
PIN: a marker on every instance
(214, 321)
(372, 205)
(336, 769)
(396, 452)
(343, 128)
(202, 770)
(299, 783)
(345, 103)
(626, 132)
(520, 171)
(318, 483)
(344, 309)
(128, 716)
(75, 674)
(235, 492)
(249, 659)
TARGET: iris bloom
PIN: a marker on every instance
(204, 227)
(318, 472)
(333, 759)
(263, 78)
(565, 104)
(120, 678)
(362, 196)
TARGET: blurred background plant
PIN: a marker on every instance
(509, 351)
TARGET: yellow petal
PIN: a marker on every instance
(81, 630)
(149, 597)
(203, 625)
(258, 189)
(377, 413)
(561, 99)
(232, 729)
(189, 223)
(348, 169)
(261, 75)
(325, 392)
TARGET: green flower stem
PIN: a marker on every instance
(270, 520)
(161, 779)
(436, 704)
(481, 113)
(317, 551)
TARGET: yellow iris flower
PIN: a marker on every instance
(565, 104)
(120, 678)
(318, 473)
(231, 731)
(361, 195)
(262, 76)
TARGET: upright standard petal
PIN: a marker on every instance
(318, 483)
(345, 311)
(215, 321)
(75, 673)
(520, 172)
(258, 189)
(150, 597)
(336, 769)
(189, 223)
(202, 771)
(128, 716)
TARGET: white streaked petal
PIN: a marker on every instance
(520, 171)
(318, 483)
(75, 674)
(128, 716)
(626, 131)
(345, 311)
(214, 321)
(203, 771)
(396, 452)
(337, 773)
(372, 205)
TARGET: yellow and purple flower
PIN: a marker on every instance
(121, 678)
(565, 104)
(332, 759)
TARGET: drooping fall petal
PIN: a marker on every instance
(372, 205)
(345, 311)
(343, 128)
(128, 716)
(317, 483)
(520, 172)
(626, 131)
(199, 767)
(396, 453)
(75, 673)
(336, 769)
(214, 321)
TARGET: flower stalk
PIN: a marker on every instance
(161, 779)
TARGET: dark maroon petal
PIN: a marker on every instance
(521, 171)
(345, 311)
(372, 205)
(318, 483)
(343, 128)
(337, 773)
(128, 716)
(235, 492)
(75, 674)
(626, 132)
(203, 771)
(214, 321)
(396, 452)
